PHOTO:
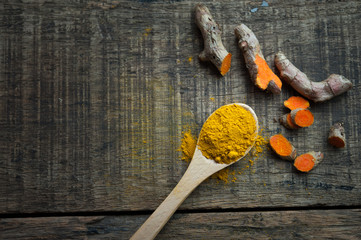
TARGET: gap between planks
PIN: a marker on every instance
(195, 211)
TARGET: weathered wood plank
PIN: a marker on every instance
(312, 224)
(94, 96)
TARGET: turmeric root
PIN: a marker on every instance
(296, 102)
(214, 50)
(283, 147)
(336, 136)
(260, 73)
(302, 117)
(333, 86)
(306, 162)
(287, 122)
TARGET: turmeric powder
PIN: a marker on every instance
(188, 146)
(223, 175)
(259, 144)
(189, 143)
(228, 134)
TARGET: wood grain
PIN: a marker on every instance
(311, 224)
(94, 96)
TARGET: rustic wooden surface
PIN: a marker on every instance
(308, 224)
(94, 96)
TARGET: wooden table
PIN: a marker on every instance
(94, 97)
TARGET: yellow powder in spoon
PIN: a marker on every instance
(227, 134)
(188, 145)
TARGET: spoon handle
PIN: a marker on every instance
(199, 169)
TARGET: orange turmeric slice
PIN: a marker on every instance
(226, 64)
(282, 147)
(302, 117)
(259, 71)
(306, 162)
(295, 102)
(265, 74)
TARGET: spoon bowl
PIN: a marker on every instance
(199, 169)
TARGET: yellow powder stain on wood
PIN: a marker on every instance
(188, 146)
(222, 175)
(147, 31)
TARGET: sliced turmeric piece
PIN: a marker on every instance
(336, 136)
(287, 122)
(306, 162)
(295, 102)
(302, 117)
(226, 64)
(259, 71)
(265, 74)
(214, 51)
(282, 147)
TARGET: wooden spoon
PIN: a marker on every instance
(199, 170)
